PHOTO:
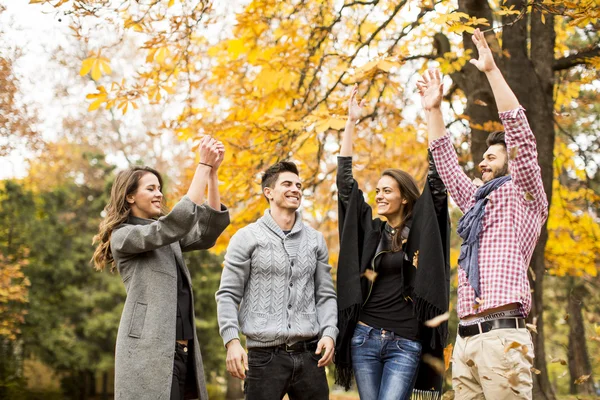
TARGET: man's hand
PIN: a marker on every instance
(355, 110)
(326, 347)
(221, 149)
(431, 88)
(486, 62)
(237, 359)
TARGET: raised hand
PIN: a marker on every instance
(431, 88)
(485, 62)
(208, 151)
(221, 150)
(355, 109)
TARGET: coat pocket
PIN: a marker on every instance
(137, 320)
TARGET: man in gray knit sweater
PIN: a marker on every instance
(277, 289)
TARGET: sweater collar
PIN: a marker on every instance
(269, 222)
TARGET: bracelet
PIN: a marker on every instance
(208, 165)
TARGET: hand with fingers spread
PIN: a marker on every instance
(355, 110)
(237, 359)
(325, 347)
(431, 88)
(485, 62)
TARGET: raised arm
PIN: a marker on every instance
(206, 231)
(344, 179)
(520, 141)
(214, 197)
(460, 187)
(134, 239)
(504, 96)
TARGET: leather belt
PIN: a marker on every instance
(307, 345)
(486, 326)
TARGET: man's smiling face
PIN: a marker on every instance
(494, 164)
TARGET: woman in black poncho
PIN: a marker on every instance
(393, 276)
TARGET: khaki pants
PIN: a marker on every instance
(486, 366)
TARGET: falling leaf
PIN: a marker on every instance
(529, 196)
(470, 363)
(558, 360)
(531, 327)
(370, 275)
(533, 276)
(449, 395)
(512, 345)
(415, 260)
(595, 338)
(524, 350)
(480, 103)
(486, 378)
(437, 321)
(448, 356)
(436, 363)
(535, 370)
(566, 317)
(582, 379)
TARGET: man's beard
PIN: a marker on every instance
(501, 172)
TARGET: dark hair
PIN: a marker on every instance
(117, 211)
(496, 138)
(272, 173)
(410, 192)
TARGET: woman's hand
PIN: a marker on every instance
(209, 151)
(355, 110)
(431, 89)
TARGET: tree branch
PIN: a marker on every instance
(575, 59)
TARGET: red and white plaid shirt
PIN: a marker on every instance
(512, 222)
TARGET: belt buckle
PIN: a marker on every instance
(288, 348)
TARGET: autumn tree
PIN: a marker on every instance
(273, 84)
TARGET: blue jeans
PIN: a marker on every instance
(385, 365)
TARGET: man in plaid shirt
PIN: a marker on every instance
(500, 228)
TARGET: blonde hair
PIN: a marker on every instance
(117, 211)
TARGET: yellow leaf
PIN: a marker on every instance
(337, 123)
(86, 66)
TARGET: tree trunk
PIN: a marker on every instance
(579, 360)
(234, 388)
(105, 385)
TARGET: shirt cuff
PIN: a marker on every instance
(332, 332)
(230, 334)
(439, 142)
(512, 114)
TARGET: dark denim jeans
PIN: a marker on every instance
(385, 365)
(274, 372)
(180, 367)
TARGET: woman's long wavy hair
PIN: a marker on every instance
(117, 211)
(410, 192)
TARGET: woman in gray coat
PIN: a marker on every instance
(157, 352)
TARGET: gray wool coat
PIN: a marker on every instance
(146, 254)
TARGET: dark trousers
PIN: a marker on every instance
(274, 372)
(180, 368)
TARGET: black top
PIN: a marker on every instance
(185, 325)
(386, 308)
